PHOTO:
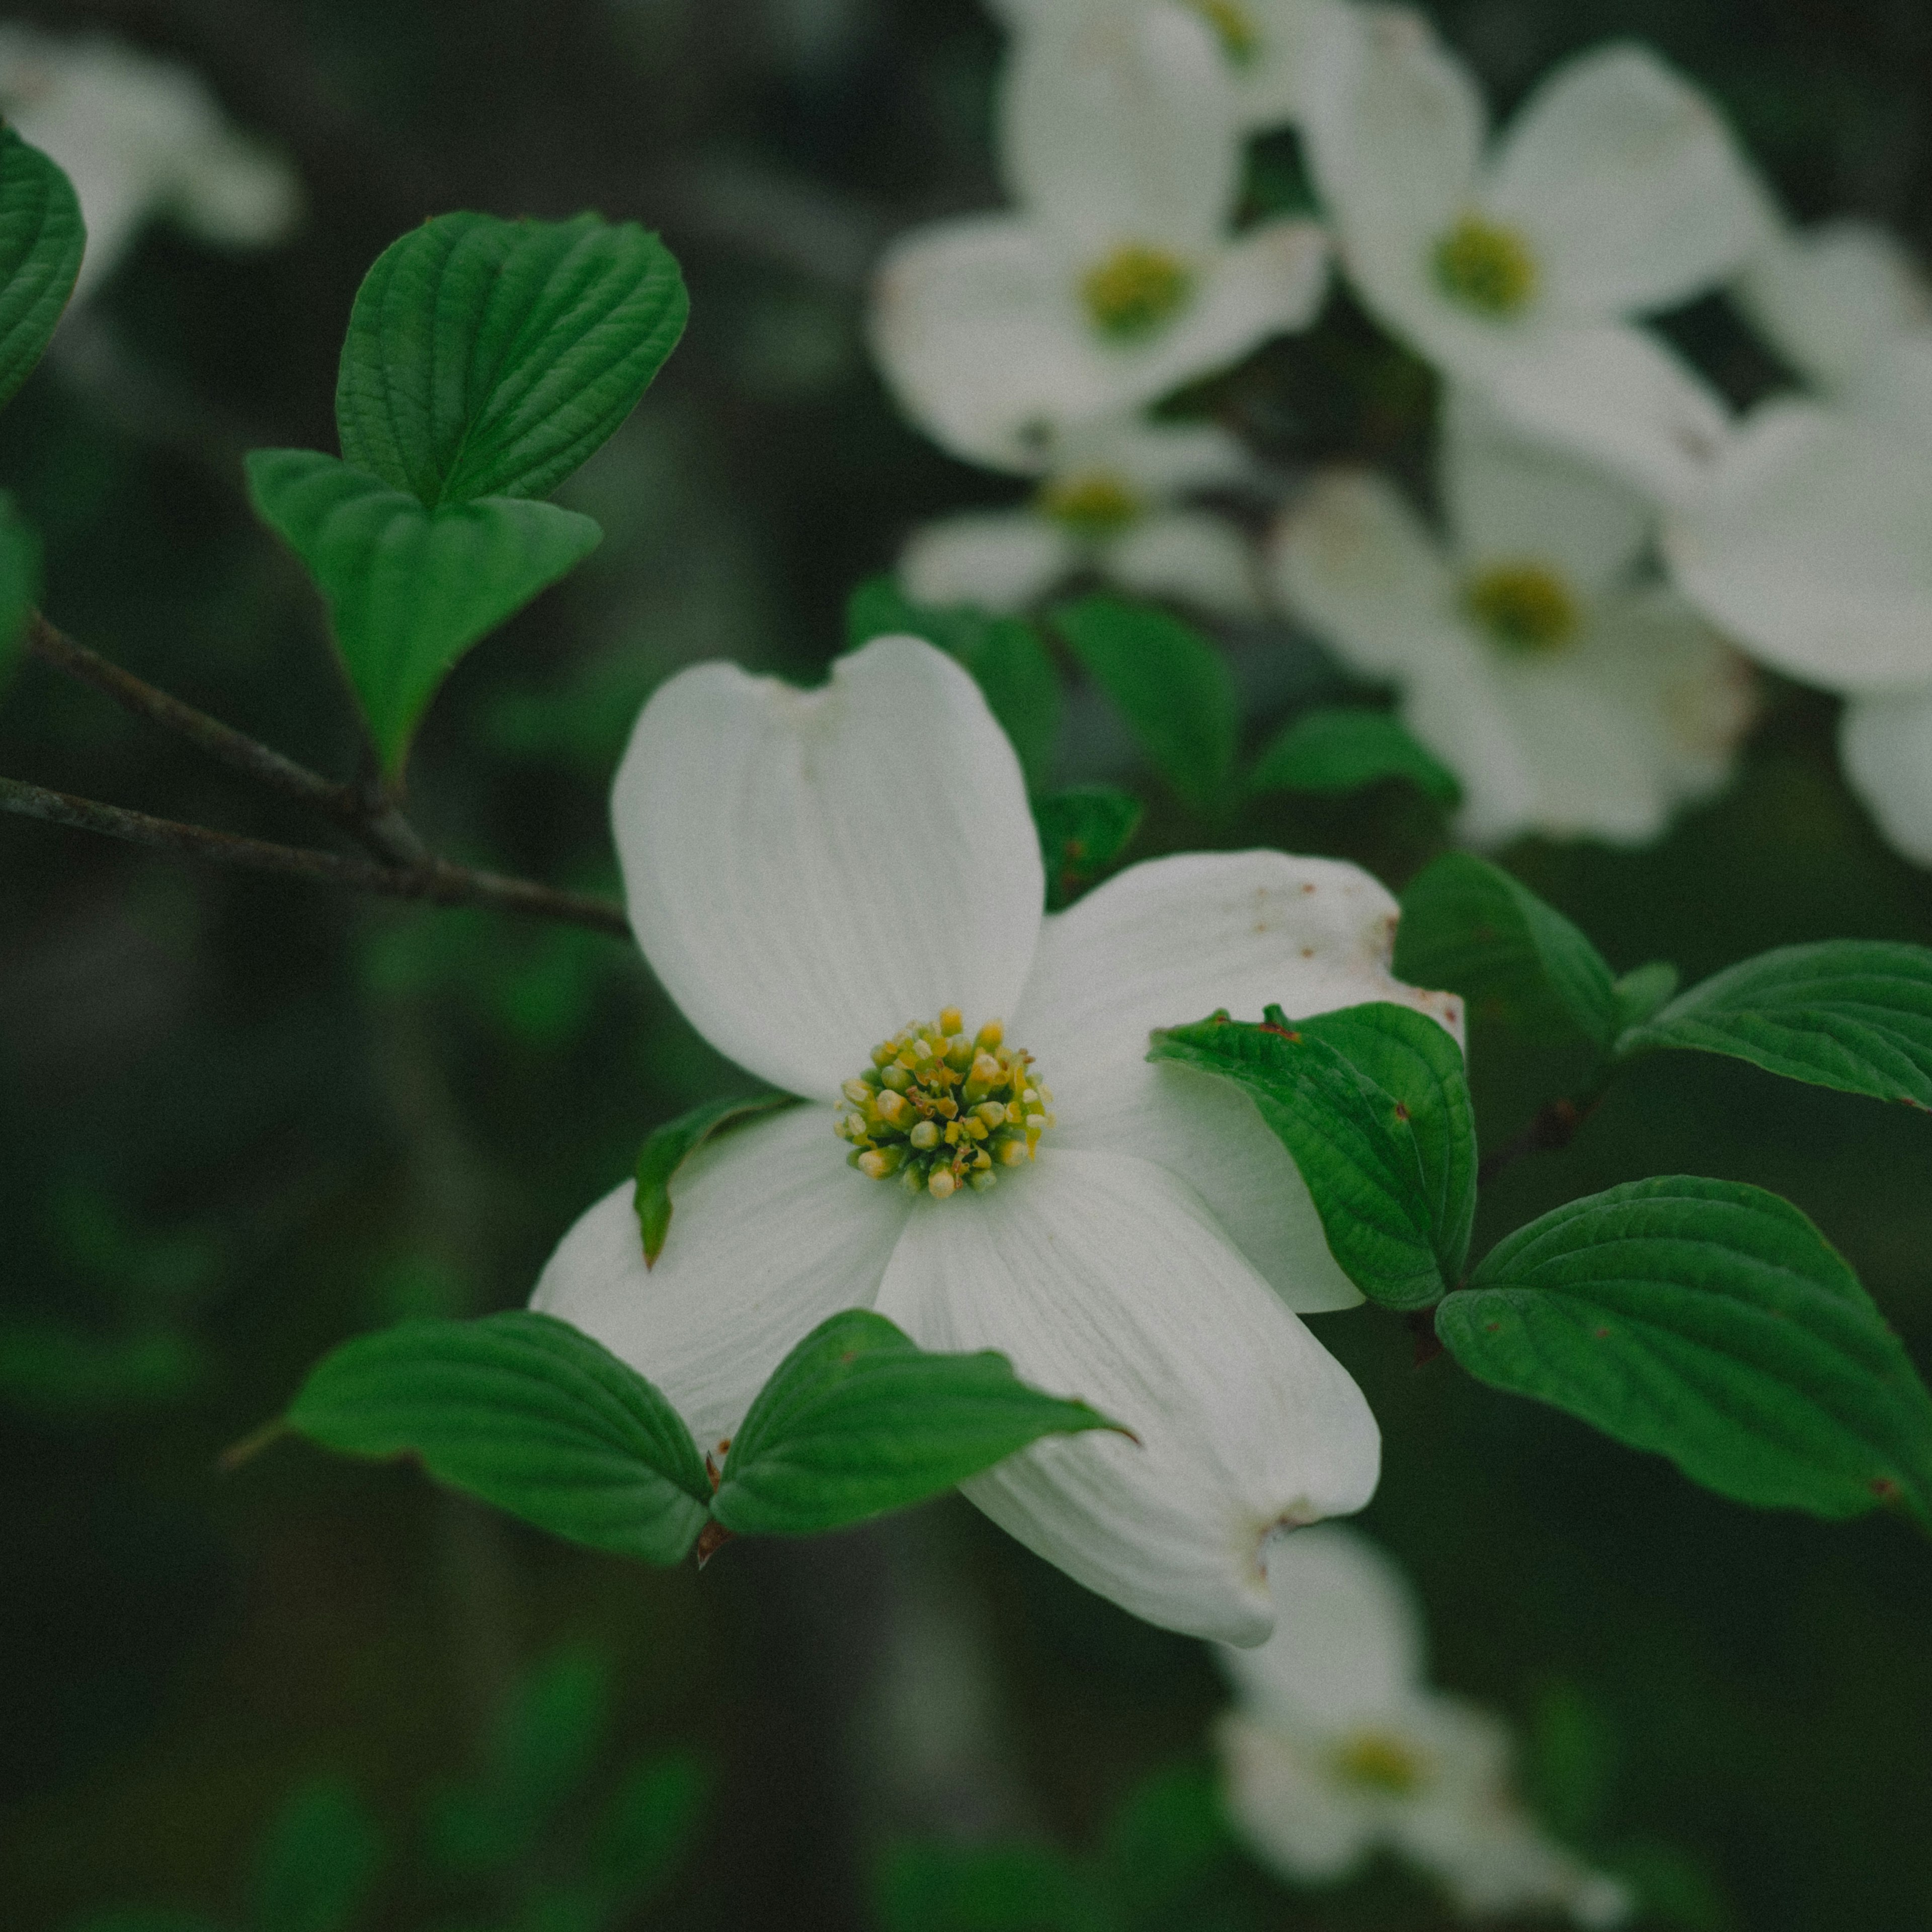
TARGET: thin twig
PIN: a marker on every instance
(436, 880)
(373, 822)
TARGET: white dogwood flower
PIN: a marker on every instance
(140, 137)
(1336, 1746)
(1615, 192)
(1569, 697)
(1111, 505)
(1265, 44)
(1118, 279)
(809, 871)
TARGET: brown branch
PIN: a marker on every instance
(435, 881)
(373, 821)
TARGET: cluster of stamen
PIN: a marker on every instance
(1135, 291)
(943, 1109)
(1377, 1762)
(1485, 267)
(1524, 606)
(1093, 504)
(1233, 26)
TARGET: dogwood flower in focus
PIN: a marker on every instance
(1569, 697)
(1110, 505)
(139, 137)
(1616, 192)
(1117, 280)
(1809, 545)
(1336, 1746)
(1265, 44)
(841, 888)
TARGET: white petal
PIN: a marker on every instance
(807, 872)
(1348, 1643)
(1164, 944)
(1612, 395)
(772, 1233)
(1886, 743)
(1000, 560)
(1298, 1818)
(1159, 459)
(1454, 705)
(236, 192)
(1191, 555)
(1810, 548)
(1626, 183)
(1118, 126)
(1103, 1277)
(1271, 83)
(1830, 298)
(1394, 125)
(1353, 562)
(1511, 500)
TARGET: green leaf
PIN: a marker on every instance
(1004, 655)
(649, 1825)
(856, 1420)
(318, 1863)
(525, 1412)
(1469, 927)
(1373, 1103)
(1642, 991)
(1712, 1323)
(1344, 750)
(148, 1918)
(1168, 1837)
(1850, 1013)
(1082, 831)
(1172, 686)
(57, 1369)
(410, 590)
(41, 239)
(19, 582)
(489, 359)
(669, 1147)
(1019, 1888)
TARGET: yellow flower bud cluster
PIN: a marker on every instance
(1135, 292)
(942, 1109)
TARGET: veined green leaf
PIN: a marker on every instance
(1373, 1103)
(1712, 1323)
(525, 1412)
(1082, 831)
(487, 358)
(857, 1421)
(1172, 686)
(41, 241)
(669, 1147)
(1467, 926)
(1346, 748)
(410, 590)
(1853, 1014)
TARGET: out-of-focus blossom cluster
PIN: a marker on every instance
(1607, 535)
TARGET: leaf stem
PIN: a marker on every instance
(435, 881)
(1552, 1128)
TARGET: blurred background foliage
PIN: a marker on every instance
(240, 1119)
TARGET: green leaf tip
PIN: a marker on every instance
(487, 358)
(1346, 748)
(1083, 830)
(42, 239)
(666, 1149)
(1372, 1104)
(1710, 1322)
(857, 1421)
(409, 589)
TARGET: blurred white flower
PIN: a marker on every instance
(1616, 192)
(1110, 505)
(1337, 1747)
(1117, 280)
(1266, 44)
(140, 137)
(1569, 697)
(808, 871)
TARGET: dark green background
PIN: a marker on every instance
(240, 1120)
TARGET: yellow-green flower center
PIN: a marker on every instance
(1522, 606)
(1486, 267)
(942, 1109)
(1233, 26)
(1092, 504)
(1135, 291)
(1379, 1762)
